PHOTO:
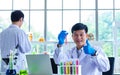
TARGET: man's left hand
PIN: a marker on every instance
(88, 49)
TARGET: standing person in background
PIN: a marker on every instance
(14, 38)
(92, 59)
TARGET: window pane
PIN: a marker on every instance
(54, 4)
(117, 24)
(105, 4)
(117, 30)
(88, 18)
(37, 24)
(37, 4)
(118, 48)
(54, 21)
(117, 16)
(117, 43)
(117, 4)
(69, 19)
(118, 33)
(105, 21)
(5, 4)
(5, 20)
(21, 4)
(37, 47)
(71, 4)
(108, 48)
(117, 65)
(26, 24)
(87, 4)
(51, 48)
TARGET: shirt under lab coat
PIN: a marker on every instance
(10, 38)
(90, 65)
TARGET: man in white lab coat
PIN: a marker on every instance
(92, 59)
(14, 38)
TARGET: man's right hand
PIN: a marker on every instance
(61, 37)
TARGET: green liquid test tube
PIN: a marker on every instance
(23, 72)
(61, 68)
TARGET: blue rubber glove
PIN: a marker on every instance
(88, 49)
(61, 37)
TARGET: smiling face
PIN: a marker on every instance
(79, 37)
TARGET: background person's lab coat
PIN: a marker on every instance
(90, 65)
(10, 38)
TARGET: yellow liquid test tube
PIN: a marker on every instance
(66, 68)
(69, 68)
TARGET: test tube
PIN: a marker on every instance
(58, 69)
(77, 64)
(61, 68)
(64, 68)
(71, 67)
(74, 68)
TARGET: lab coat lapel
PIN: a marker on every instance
(74, 53)
(82, 57)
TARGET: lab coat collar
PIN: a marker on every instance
(74, 52)
(82, 55)
(13, 25)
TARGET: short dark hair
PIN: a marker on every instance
(16, 15)
(79, 26)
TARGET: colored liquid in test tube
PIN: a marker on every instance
(74, 69)
(61, 68)
(30, 36)
(67, 68)
(71, 67)
(77, 65)
(23, 72)
(64, 68)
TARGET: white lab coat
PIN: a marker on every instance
(9, 39)
(90, 65)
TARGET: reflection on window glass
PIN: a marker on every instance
(37, 4)
(21, 4)
(105, 21)
(37, 24)
(71, 4)
(5, 4)
(54, 4)
(88, 18)
(85, 5)
(105, 4)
